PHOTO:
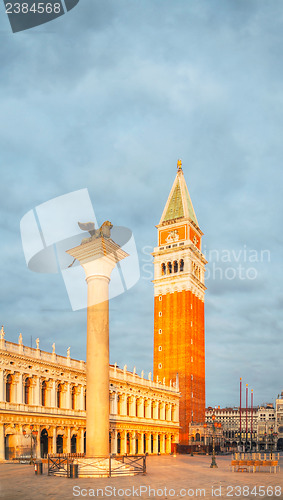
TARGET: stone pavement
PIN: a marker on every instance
(167, 477)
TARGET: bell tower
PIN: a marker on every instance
(179, 266)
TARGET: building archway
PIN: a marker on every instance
(44, 443)
(74, 444)
(118, 443)
(59, 444)
(9, 450)
(128, 443)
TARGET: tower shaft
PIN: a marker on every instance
(179, 333)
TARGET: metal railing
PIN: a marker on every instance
(107, 466)
(58, 465)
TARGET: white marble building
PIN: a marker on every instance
(42, 406)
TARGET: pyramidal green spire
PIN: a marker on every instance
(179, 203)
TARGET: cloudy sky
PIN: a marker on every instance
(108, 97)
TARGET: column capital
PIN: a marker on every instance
(98, 257)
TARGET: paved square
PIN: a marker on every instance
(167, 477)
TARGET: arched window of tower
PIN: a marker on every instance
(175, 264)
(169, 265)
(181, 265)
(163, 269)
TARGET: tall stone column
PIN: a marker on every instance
(162, 443)
(38, 454)
(168, 443)
(2, 442)
(98, 257)
(80, 398)
(68, 440)
(140, 443)
(155, 443)
(114, 442)
(2, 386)
(123, 435)
(54, 438)
(36, 394)
(148, 443)
(81, 441)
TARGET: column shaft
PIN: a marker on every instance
(97, 367)
(2, 442)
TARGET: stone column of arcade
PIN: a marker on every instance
(98, 255)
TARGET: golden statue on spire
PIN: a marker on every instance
(179, 165)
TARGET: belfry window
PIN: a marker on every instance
(181, 265)
(163, 269)
(169, 266)
(175, 264)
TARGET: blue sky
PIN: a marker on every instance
(108, 97)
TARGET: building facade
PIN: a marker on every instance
(252, 428)
(42, 406)
(179, 344)
(279, 421)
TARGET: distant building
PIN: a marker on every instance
(42, 404)
(279, 421)
(179, 348)
(253, 427)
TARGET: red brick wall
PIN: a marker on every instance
(179, 309)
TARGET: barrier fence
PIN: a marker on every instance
(74, 465)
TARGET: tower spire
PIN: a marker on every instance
(179, 204)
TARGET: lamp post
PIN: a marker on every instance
(205, 444)
(215, 425)
(32, 436)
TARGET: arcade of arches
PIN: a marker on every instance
(42, 405)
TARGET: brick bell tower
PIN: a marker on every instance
(179, 266)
